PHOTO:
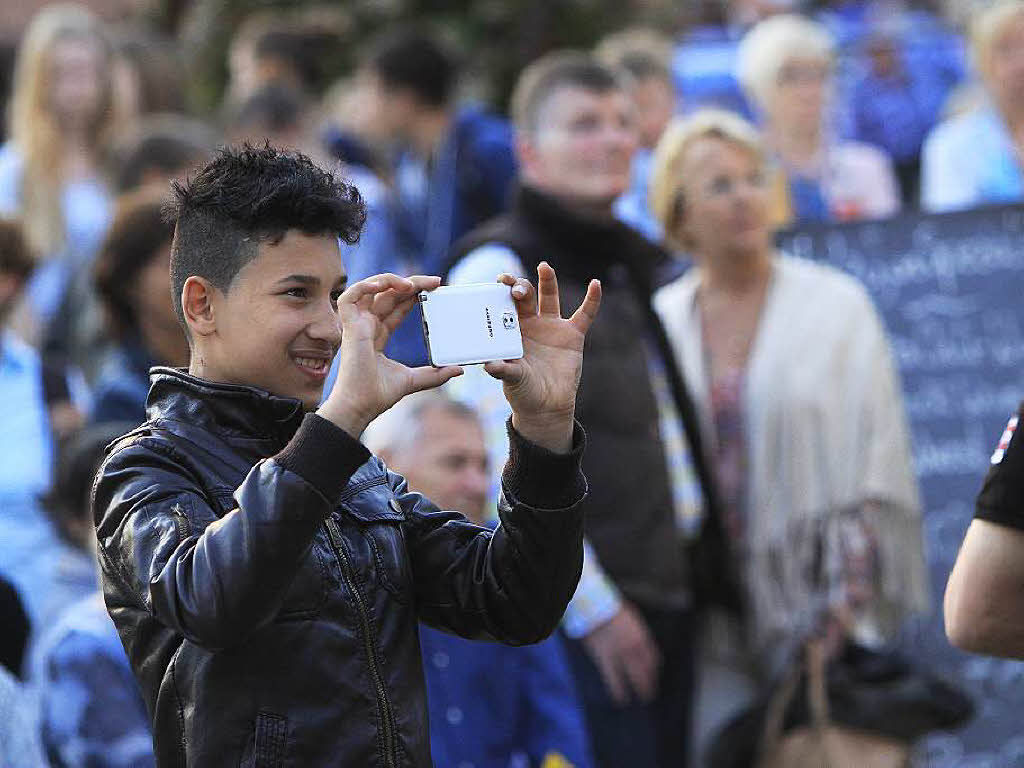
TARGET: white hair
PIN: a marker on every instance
(398, 428)
(767, 47)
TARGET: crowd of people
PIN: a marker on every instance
(748, 459)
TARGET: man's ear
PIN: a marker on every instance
(526, 151)
(197, 303)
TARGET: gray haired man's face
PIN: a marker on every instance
(447, 463)
(582, 146)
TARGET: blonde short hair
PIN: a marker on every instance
(767, 47)
(987, 27)
(663, 195)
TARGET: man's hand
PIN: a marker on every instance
(626, 656)
(368, 382)
(541, 387)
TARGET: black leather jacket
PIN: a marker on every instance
(266, 575)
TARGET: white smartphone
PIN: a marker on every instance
(470, 324)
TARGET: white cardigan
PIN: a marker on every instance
(826, 433)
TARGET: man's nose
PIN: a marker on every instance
(327, 325)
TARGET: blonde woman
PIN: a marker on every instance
(801, 409)
(785, 65)
(975, 157)
(60, 116)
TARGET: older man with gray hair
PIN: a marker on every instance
(490, 705)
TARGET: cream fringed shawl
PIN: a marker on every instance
(827, 444)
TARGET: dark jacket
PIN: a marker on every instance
(266, 575)
(631, 524)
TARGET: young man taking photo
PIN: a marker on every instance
(265, 572)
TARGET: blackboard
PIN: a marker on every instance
(950, 288)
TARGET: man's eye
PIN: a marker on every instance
(299, 293)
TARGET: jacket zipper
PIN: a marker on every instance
(383, 706)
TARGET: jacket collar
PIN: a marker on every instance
(232, 412)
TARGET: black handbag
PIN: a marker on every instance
(872, 691)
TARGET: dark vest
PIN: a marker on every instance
(630, 520)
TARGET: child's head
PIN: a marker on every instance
(132, 277)
(256, 268)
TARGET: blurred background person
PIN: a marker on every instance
(149, 151)
(786, 66)
(704, 60)
(631, 622)
(899, 99)
(643, 56)
(157, 149)
(280, 114)
(974, 158)
(456, 163)
(801, 407)
(26, 443)
(349, 136)
(133, 283)
(491, 706)
(18, 749)
(301, 49)
(51, 173)
(91, 712)
(147, 73)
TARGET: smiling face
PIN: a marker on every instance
(582, 146)
(277, 327)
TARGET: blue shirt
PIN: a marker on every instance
(896, 113)
(496, 706)
(968, 161)
(29, 543)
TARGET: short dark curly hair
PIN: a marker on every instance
(247, 195)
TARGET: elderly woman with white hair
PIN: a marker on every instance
(793, 380)
(786, 65)
(975, 157)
